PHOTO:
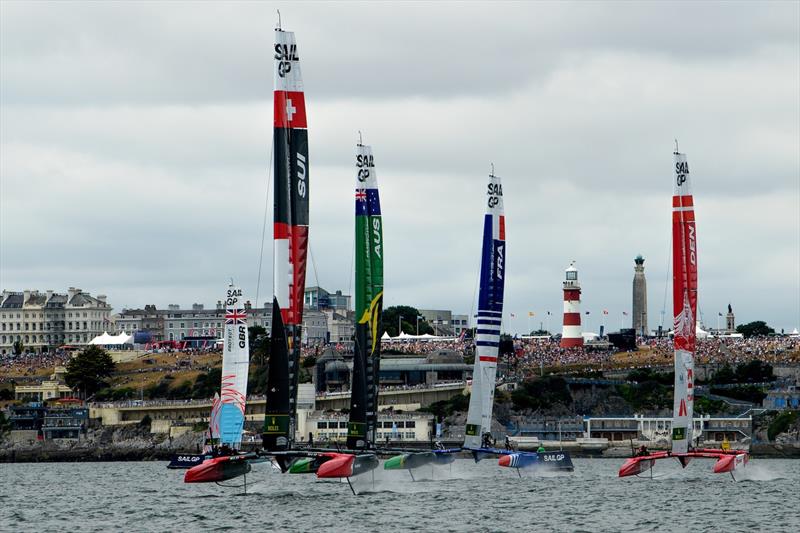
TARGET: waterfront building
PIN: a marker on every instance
(659, 429)
(42, 321)
(315, 327)
(781, 399)
(319, 299)
(51, 389)
(402, 427)
(460, 323)
(36, 421)
(333, 372)
(341, 327)
(639, 308)
(571, 334)
(200, 327)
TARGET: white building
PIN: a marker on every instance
(405, 427)
(41, 321)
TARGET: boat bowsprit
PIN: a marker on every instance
(219, 469)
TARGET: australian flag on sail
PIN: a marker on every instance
(367, 202)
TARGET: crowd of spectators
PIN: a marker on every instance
(530, 355)
(27, 364)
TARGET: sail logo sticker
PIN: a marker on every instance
(376, 236)
(495, 191)
(285, 54)
(692, 245)
(500, 265)
(301, 175)
(364, 162)
(682, 170)
(242, 337)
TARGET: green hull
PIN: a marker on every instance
(395, 463)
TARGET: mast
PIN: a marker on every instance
(291, 171)
(235, 367)
(684, 302)
(490, 315)
(369, 304)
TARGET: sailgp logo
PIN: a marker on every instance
(285, 54)
(364, 162)
(682, 171)
(495, 191)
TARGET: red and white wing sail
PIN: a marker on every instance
(291, 180)
(684, 303)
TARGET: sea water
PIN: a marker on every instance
(464, 496)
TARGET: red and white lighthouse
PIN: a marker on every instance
(571, 335)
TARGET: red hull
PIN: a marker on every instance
(218, 469)
(727, 460)
(341, 465)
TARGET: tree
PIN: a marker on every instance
(259, 344)
(409, 321)
(88, 370)
(753, 329)
(205, 385)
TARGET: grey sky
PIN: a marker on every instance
(134, 147)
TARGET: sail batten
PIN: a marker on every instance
(369, 304)
(490, 315)
(290, 230)
(684, 303)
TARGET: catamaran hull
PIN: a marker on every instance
(559, 461)
(727, 461)
(347, 465)
(309, 465)
(218, 469)
(731, 463)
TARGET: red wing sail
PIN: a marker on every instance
(684, 303)
(291, 180)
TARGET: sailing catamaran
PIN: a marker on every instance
(363, 421)
(487, 341)
(684, 305)
(211, 441)
(227, 413)
(291, 193)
